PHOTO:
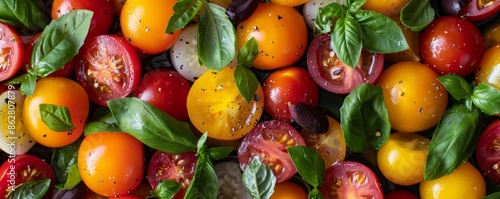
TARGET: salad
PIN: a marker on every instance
(249, 99)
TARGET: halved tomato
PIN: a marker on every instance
(488, 151)
(11, 52)
(480, 10)
(333, 75)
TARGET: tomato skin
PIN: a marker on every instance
(491, 36)
(99, 156)
(57, 91)
(451, 45)
(11, 51)
(143, 24)
(290, 3)
(488, 70)
(414, 98)
(167, 90)
(271, 25)
(487, 153)
(287, 86)
(477, 10)
(385, 7)
(65, 71)
(288, 190)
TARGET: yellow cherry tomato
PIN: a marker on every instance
(489, 68)
(491, 36)
(385, 7)
(288, 190)
(290, 3)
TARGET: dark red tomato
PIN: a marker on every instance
(451, 45)
(269, 140)
(166, 90)
(400, 194)
(65, 71)
(480, 10)
(333, 75)
(350, 179)
(288, 86)
(11, 52)
(177, 167)
(24, 168)
(488, 151)
(101, 20)
(107, 67)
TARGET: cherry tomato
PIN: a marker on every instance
(385, 7)
(269, 140)
(480, 10)
(177, 167)
(13, 137)
(166, 90)
(58, 91)
(290, 3)
(333, 75)
(101, 20)
(488, 70)
(402, 158)
(400, 194)
(451, 45)
(216, 107)
(331, 145)
(280, 32)
(464, 182)
(414, 98)
(350, 179)
(11, 52)
(488, 153)
(65, 71)
(24, 168)
(111, 163)
(491, 36)
(288, 190)
(143, 23)
(107, 67)
(290, 85)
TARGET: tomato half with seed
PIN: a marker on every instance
(176, 167)
(107, 67)
(268, 141)
(350, 179)
(488, 151)
(480, 10)
(333, 75)
(24, 168)
(11, 52)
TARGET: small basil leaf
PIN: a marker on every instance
(216, 37)
(184, 12)
(22, 12)
(18, 80)
(355, 5)
(57, 118)
(456, 86)
(315, 194)
(486, 98)
(217, 153)
(378, 27)
(204, 183)
(201, 146)
(248, 53)
(64, 163)
(310, 165)
(347, 40)
(60, 42)
(495, 195)
(364, 118)
(72, 179)
(28, 86)
(259, 179)
(167, 189)
(246, 82)
(152, 126)
(31, 189)
(417, 14)
(105, 123)
(453, 141)
(326, 15)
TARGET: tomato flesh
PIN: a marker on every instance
(11, 52)
(488, 151)
(480, 10)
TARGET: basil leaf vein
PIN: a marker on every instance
(417, 14)
(259, 179)
(310, 165)
(22, 12)
(184, 12)
(57, 118)
(31, 189)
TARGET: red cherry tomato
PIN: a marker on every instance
(269, 140)
(350, 179)
(166, 90)
(288, 86)
(177, 167)
(333, 75)
(400, 194)
(480, 10)
(107, 67)
(11, 52)
(65, 71)
(488, 151)
(451, 45)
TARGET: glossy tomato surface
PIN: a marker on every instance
(488, 151)
(288, 190)
(385, 7)
(333, 75)
(489, 68)
(480, 10)
(11, 51)
(107, 67)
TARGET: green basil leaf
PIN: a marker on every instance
(22, 12)
(217, 153)
(152, 126)
(31, 189)
(246, 82)
(456, 86)
(495, 195)
(259, 179)
(486, 98)
(326, 15)
(216, 37)
(57, 118)
(453, 141)
(60, 42)
(347, 40)
(417, 14)
(105, 123)
(310, 165)
(200, 145)
(184, 12)
(64, 163)
(204, 183)
(167, 189)
(364, 119)
(380, 33)
(17, 80)
(248, 53)
(315, 194)
(72, 179)
(355, 5)
(28, 86)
